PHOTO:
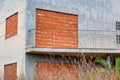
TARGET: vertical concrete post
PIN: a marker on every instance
(109, 59)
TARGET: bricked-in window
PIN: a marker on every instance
(56, 30)
(10, 72)
(56, 71)
(11, 25)
(117, 25)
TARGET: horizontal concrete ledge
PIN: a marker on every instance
(78, 50)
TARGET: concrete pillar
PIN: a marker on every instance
(109, 59)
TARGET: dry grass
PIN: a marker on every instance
(101, 74)
(96, 74)
(91, 71)
(88, 71)
(1, 75)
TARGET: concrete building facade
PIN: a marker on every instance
(44, 31)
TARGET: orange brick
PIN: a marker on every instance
(10, 72)
(55, 71)
(11, 25)
(57, 27)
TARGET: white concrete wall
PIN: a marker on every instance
(97, 20)
(12, 50)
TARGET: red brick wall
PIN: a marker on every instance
(54, 71)
(10, 72)
(11, 25)
(56, 29)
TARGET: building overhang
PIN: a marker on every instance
(77, 50)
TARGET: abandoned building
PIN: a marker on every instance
(44, 39)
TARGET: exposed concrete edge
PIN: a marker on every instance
(78, 50)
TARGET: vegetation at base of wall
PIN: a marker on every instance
(104, 63)
(117, 65)
(101, 74)
(88, 70)
(1, 72)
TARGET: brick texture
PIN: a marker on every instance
(54, 71)
(11, 25)
(57, 30)
(10, 72)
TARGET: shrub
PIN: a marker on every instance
(104, 63)
(117, 65)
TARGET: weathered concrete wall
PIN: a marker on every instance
(12, 50)
(97, 20)
(96, 26)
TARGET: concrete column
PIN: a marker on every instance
(108, 59)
